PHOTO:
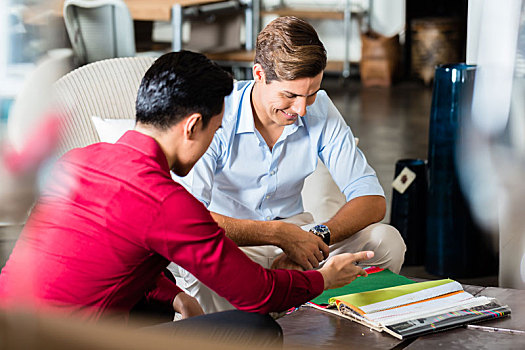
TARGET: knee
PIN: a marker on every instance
(387, 236)
(388, 245)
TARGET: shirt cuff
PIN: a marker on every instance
(164, 292)
(317, 281)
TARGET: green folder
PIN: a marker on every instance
(373, 281)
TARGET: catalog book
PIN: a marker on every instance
(415, 309)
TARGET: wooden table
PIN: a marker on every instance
(308, 327)
(160, 10)
(177, 11)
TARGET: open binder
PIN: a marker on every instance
(413, 309)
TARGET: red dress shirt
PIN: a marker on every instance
(107, 225)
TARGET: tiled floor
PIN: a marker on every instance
(392, 124)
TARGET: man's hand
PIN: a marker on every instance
(284, 262)
(341, 269)
(302, 247)
(187, 305)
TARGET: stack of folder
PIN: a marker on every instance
(385, 301)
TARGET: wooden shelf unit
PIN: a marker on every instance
(306, 13)
(243, 58)
(323, 13)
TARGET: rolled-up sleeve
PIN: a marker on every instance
(163, 292)
(345, 161)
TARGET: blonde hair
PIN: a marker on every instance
(288, 48)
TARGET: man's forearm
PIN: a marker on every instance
(355, 216)
(302, 247)
(246, 232)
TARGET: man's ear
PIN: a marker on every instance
(192, 124)
(258, 73)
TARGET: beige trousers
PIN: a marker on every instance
(384, 240)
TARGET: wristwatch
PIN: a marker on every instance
(322, 231)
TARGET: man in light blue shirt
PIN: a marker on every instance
(274, 130)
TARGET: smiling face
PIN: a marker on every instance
(280, 103)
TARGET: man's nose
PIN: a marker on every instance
(299, 106)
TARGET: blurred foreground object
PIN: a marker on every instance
(456, 245)
(23, 330)
(492, 153)
(19, 170)
(32, 136)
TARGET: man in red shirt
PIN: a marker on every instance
(111, 218)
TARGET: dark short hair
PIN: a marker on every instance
(289, 48)
(179, 84)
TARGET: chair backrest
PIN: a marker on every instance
(106, 89)
(99, 29)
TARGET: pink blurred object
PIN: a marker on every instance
(41, 143)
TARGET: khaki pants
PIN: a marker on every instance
(384, 240)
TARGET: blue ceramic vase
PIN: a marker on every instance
(455, 244)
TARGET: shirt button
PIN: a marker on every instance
(267, 218)
(267, 196)
(272, 172)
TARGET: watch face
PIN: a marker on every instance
(321, 229)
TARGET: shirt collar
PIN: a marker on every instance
(146, 145)
(246, 123)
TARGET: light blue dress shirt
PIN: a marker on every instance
(239, 176)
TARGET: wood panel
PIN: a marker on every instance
(308, 327)
(306, 13)
(148, 10)
(248, 56)
(159, 10)
(232, 56)
(462, 338)
(515, 299)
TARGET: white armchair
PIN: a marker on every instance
(106, 89)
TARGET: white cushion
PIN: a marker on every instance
(110, 130)
(321, 196)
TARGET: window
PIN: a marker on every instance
(21, 44)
